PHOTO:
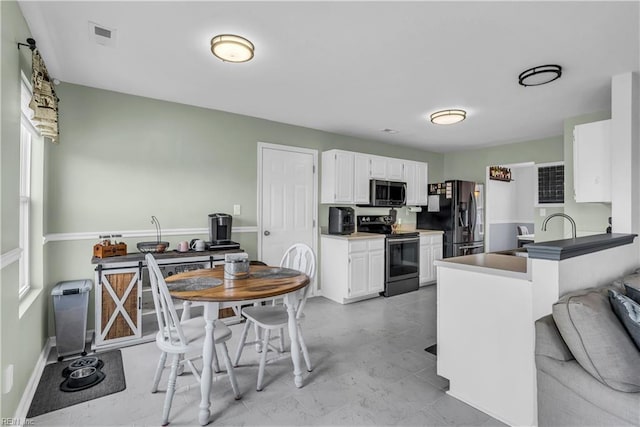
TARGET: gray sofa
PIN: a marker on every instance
(599, 383)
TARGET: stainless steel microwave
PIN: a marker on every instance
(387, 193)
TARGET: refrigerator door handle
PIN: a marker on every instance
(471, 246)
(472, 215)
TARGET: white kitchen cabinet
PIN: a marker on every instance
(118, 305)
(386, 168)
(416, 177)
(337, 177)
(352, 268)
(124, 310)
(377, 167)
(361, 179)
(430, 251)
(592, 162)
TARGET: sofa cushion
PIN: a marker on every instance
(549, 342)
(628, 311)
(597, 339)
(632, 286)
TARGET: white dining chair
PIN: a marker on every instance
(184, 339)
(268, 318)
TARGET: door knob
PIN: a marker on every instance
(266, 232)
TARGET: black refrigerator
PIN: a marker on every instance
(453, 207)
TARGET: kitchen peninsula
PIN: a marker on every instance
(487, 306)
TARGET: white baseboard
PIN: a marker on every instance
(32, 385)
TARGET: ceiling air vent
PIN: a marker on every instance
(102, 35)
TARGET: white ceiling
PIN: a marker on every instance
(355, 68)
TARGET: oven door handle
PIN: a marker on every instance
(409, 239)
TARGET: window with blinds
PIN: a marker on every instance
(550, 184)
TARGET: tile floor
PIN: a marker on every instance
(370, 368)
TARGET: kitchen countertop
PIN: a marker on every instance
(363, 235)
(354, 236)
(427, 231)
(489, 263)
(568, 248)
(139, 256)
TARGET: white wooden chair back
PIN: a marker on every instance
(300, 257)
(168, 320)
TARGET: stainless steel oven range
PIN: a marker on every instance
(402, 254)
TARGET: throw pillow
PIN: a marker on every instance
(597, 340)
(628, 311)
(632, 286)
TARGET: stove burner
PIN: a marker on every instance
(82, 374)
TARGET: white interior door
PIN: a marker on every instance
(287, 200)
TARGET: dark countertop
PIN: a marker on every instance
(568, 248)
(139, 256)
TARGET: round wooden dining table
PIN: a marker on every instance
(210, 287)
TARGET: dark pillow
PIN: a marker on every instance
(628, 311)
(633, 293)
(632, 286)
(597, 339)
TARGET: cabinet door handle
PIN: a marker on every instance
(267, 232)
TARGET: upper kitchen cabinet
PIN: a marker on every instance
(416, 177)
(337, 177)
(361, 178)
(386, 168)
(346, 177)
(592, 162)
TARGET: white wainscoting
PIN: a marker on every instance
(93, 235)
(10, 257)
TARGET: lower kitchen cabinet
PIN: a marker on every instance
(430, 251)
(124, 309)
(352, 268)
(118, 299)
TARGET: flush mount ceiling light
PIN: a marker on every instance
(540, 75)
(232, 48)
(448, 117)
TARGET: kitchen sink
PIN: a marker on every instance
(521, 252)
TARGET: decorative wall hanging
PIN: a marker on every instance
(499, 173)
(44, 101)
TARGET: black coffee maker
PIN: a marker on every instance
(220, 231)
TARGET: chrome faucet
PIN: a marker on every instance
(573, 223)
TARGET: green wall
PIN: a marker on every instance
(471, 165)
(123, 158)
(22, 323)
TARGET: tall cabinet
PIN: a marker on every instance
(592, 162)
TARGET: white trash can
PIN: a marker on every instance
(70, 305)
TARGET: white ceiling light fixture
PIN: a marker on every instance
(540, 75)
(232, 48)
(448, 117)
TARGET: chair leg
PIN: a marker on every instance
(216, 364)
(158, 374)
(243, 339)
(281, 340)
(305, 352)
(230, 372)
(258, 332)
(171, 389)
(263, 359)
